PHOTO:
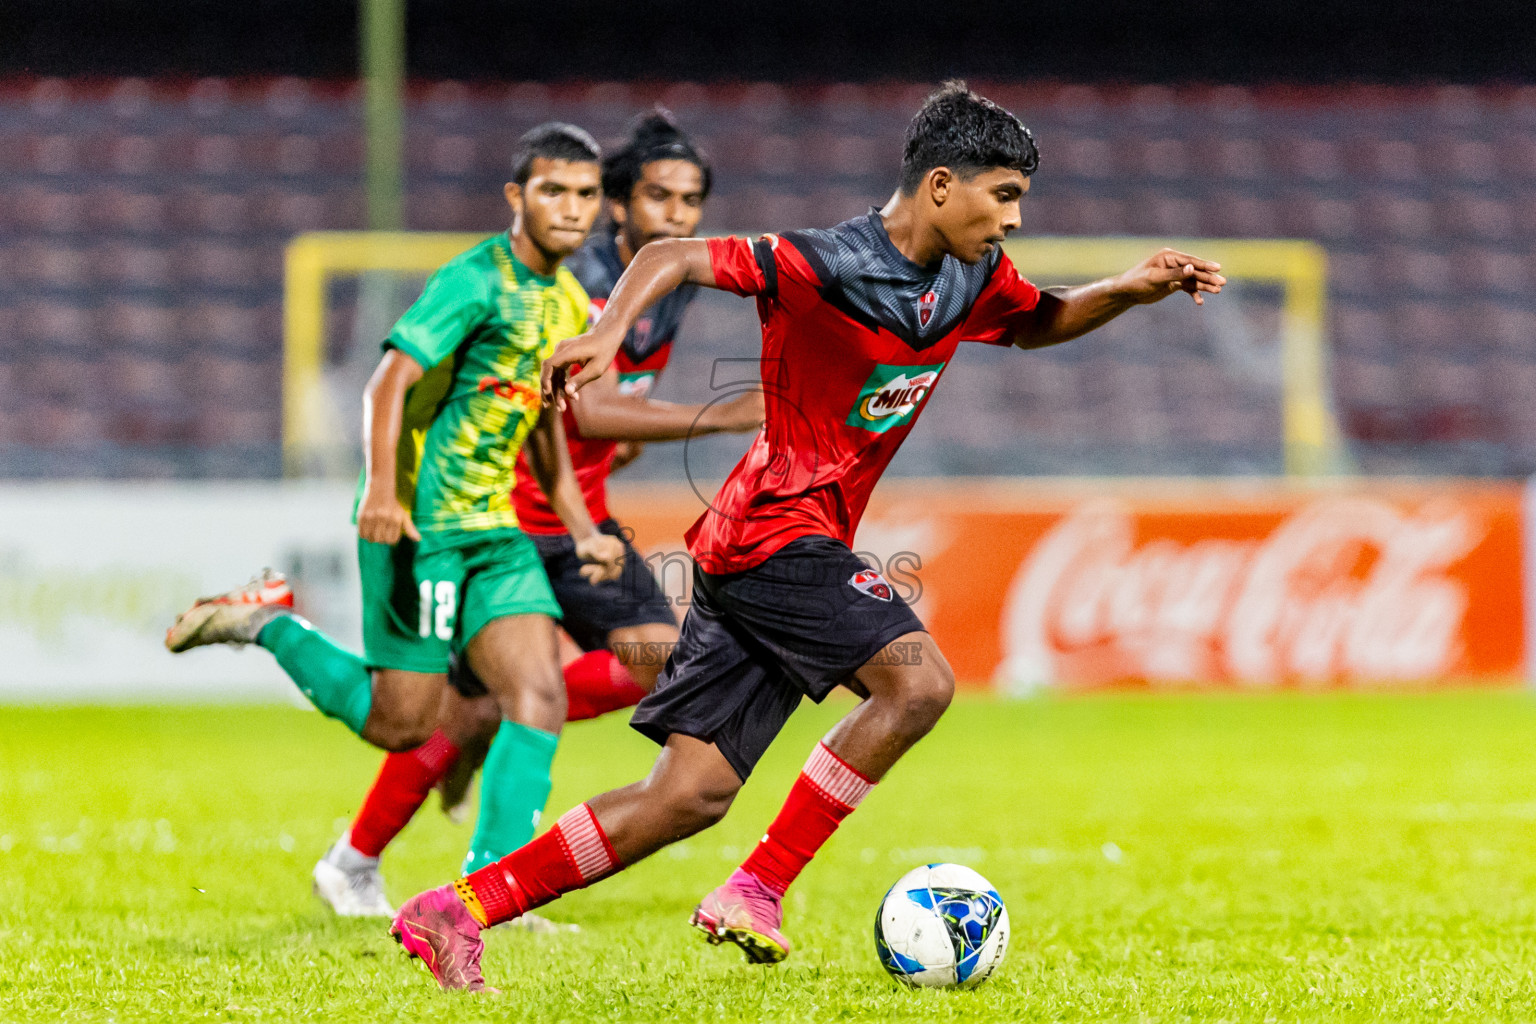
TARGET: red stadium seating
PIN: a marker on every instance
(142, 227)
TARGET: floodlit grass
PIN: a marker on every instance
(1287, 858)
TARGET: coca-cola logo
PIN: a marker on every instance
(1346, 588)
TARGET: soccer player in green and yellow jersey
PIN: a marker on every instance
(445, 568)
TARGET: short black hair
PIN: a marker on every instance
(652, 136)
(965, 132)
(553, 140)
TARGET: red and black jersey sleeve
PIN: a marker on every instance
(742, 266)
(759, 267)
(1003, 307)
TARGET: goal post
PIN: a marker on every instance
(312, 261)
(1312, 442)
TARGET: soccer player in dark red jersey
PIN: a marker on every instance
(858, 322)
(655, 186)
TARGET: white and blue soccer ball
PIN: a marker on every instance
(941, 926)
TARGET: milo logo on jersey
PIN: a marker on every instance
(892, 395)
(637, 383)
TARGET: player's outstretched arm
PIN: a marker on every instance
(380, 516)
(550, 460)
(657, 270)
(604, 412)
(1064, 313)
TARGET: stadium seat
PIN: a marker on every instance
(53, 154)
(53, 322)
(1242, 159)
(134, 156)
(145, 328)
(125, 263)
(447, 209)
(64, 379)
(243, 427)
(40, 210)
(229, 327)
(225, 382)
(118, 209)
(218, 154)
(141, 380)
(1240, 215)
(216, 262)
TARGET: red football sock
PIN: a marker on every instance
(572, 855)
(597, 683)
(401, 788)
(827, 792)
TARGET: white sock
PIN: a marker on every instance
(345, 856)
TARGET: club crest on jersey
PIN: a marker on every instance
(925, 307)
(868, 581)
(892, 396)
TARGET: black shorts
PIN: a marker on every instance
(754, 642)
(588, 612)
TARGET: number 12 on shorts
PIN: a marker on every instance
(437, 604)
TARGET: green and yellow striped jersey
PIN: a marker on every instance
(481, 328)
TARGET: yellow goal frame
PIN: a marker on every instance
(1312, 440)
(310, 262)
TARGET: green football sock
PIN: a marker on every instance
(514, 787)
(335, 681)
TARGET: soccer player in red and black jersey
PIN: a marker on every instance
(655, 185)
(859, 322)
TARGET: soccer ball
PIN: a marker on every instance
(941, 926)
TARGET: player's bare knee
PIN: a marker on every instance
(693, 805)
(552, 700)
(484, 719)
(397, 735)
(644, 674)
(542, 695)
(705, 805)
(923, 697)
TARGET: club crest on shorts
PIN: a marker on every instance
(868, 581)
(925, 308)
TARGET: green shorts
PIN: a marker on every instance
(423, 601)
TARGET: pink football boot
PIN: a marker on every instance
(746, 912)
(438, 929)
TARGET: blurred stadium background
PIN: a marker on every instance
(1293, 488)
(159, 164)
(145, 224)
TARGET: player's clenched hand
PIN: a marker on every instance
(1170, 271)
(594, 351)
(603, 555)
(382, 519)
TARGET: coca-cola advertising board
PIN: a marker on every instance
(1169, 583)
(1073, 585)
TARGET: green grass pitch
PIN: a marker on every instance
(1289, 858)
